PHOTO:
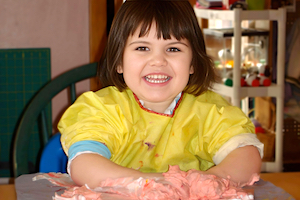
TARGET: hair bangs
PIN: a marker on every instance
(151, 13)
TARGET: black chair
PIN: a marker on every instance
(36, 109)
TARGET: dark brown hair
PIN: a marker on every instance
(173, 18)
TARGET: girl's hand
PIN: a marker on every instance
(240, 165)
(91, 169)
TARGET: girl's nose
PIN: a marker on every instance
(158, 60)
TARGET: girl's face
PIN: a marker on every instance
(156, 70)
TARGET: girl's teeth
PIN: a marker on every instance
(157, 78)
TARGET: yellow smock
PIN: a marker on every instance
(141, 139)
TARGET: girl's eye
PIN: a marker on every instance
(173, 49)
(142, 49)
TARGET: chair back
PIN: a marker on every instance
(35, 110)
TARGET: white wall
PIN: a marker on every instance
(62, 25)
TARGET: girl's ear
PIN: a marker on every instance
(120, 69)
(191, 69)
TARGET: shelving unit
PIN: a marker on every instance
(238, 93)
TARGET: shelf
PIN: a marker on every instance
(273, 15)
(228, 32)
(238, 93)
(270, 91)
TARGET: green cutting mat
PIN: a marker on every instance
(22, 73)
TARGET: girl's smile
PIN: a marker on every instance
(155, 69)
(157, 78)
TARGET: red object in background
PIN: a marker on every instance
(227, 3)
(243, 82)
(255, 83)
(263, 80)
(252, 80)
(259, 129)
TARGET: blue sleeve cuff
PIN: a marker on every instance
(90, 146)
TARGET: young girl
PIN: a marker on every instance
(156, 108)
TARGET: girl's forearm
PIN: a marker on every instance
(91, 169)
(239, 165)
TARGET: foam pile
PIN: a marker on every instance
(176, 185)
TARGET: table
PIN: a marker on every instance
(289, 181)
(8, 192)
